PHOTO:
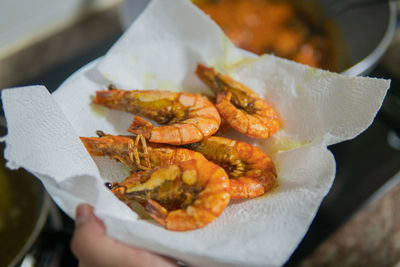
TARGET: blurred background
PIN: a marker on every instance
(45, 41)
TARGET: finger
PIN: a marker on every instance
(93, 248)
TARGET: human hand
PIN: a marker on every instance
(93, 247)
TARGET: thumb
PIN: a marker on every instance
(93, 247)
(89, 233)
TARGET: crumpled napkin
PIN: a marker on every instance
(160, 50)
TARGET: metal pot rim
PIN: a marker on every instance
(369, 61)
(41, 219)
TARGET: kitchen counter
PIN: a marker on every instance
(370, 238)
(82, 39)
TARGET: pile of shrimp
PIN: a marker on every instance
(182, 174)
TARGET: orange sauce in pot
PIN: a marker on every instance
(278, 27)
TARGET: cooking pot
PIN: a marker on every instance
(366, 31)
(24, 206)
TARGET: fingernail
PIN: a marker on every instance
(83, 213)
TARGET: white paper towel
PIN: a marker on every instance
(161, 50)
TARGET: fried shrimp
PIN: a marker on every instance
(180, 197)
(185, 118)
(251, 172)
(241, 107)
(178, 187)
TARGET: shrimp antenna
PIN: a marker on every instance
(145, 151)
(134, 152)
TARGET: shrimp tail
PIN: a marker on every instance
(141, 126)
